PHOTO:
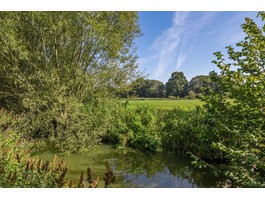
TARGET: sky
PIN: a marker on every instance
(185, 41)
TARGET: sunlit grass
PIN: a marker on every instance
(166, 104)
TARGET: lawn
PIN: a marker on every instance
(165, 104)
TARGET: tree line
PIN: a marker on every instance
(177, 86)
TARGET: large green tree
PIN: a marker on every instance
(177, 85)
(53, 64)
(44, 54)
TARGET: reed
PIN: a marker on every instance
(81, 183)
(109, 176)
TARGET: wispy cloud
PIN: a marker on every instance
(173, 46)
(180, 60)
(168, 42)
(190, 40)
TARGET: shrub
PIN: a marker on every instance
(17, 168)
(139, 128)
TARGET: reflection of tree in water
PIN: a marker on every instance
(180, 166)
(133, 165)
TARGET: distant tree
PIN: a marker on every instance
(147, 88)
(156, 88)
(138, 88)
(202, 84)
(177, 85)
(197, 83)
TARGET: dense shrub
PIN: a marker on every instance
(68, 125)
(17, 168)
(139, 128)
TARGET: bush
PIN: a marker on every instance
(17, 169)
(68, 125)
(191, 95)
(139, 128)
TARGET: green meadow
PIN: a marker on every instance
(166, 104)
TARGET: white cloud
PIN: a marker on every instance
(180, 60)
(168, 42)
(144, 60)
(174, 45)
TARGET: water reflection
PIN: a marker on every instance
(137, 169)
(134, 168)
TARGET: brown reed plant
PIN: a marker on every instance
(89, 175)
(109, 176)
(46, 167)
(31, 167)
(94, 183)
(91, 183)
(14, 177)
(2, 168)
(81, 183)
(60, 181)
(69, 183)
(27, 166)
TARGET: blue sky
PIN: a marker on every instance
(186, 41)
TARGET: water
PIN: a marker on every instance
(134, 168)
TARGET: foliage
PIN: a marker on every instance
(147, 88)
(49, 54)
(237, 130)
(202, 84)
(17, 168)
(177, 85)
(191, 95)
(139, 128)
(181, 132)
(69, 126)
(56, 66)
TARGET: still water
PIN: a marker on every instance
(134, 168)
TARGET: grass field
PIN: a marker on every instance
(166, 104)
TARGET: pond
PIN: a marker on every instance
(133, 168)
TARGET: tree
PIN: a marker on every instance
(147, 88)
(56, 66)
(156, 88)
(202, 84)
(237, 128)
(72, 53)
(177, 85)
